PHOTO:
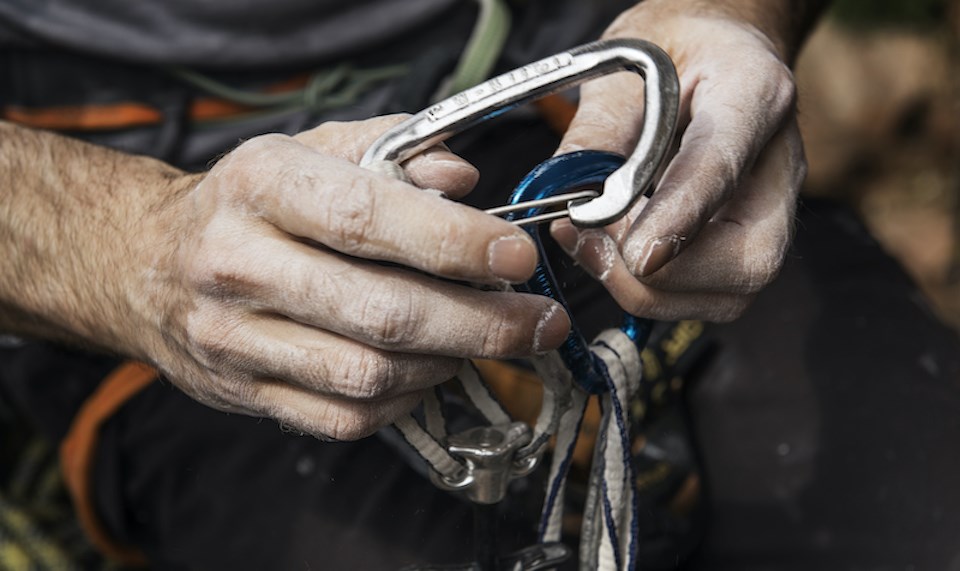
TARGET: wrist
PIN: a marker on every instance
(77, 228)
(785, 23)
(153, 287)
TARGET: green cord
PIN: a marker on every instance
(326, 89)
(342, 85)
(483, 48)
(225, 92)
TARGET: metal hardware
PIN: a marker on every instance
(560, 199)
(488, 453)
(567, 69)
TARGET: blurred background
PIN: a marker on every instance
(879, 97)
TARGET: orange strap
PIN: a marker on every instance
(122, 115)
(78, 448)
(521, 392)
(556, 110)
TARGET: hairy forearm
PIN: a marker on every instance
(69, 213)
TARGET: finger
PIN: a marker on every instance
(740, 250)
(367, 215)
(718, 147)
(326, 417)
(319, 361)
(388, 308)
(609, 115)
(348, 140)
(598, 254)
(435, 168)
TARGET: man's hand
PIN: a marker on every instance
(718, 226)
(287, 282)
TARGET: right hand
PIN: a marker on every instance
(267, 295)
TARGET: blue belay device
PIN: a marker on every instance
(560, 175)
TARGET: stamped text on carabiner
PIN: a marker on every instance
(493, 86)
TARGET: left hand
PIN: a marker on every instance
(719, 224)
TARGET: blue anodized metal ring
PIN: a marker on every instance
(558, 175)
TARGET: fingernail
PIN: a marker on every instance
(512, 258)
(597, 253)
(661, 251)
(452, 162)
(448, 160)
(594, 250)
(447, 170)
(552, 329)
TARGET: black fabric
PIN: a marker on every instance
(829, 421)
(217, 33)
(47, 383)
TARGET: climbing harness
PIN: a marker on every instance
(482, 461)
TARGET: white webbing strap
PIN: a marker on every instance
(567, 432)
(430, 449)
(609, 532)
(478, 394)
(609, 529)
(428, 440)
(617, 491)
(557, 400)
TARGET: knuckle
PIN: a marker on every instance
(239, 390)
(726, 167)
(214, 340)
(509, 331)
(234, 166)
(765, 260)
(390, 317)
(785, 87)
(800, 172)
(227, 391)
(762, 272)
(352, 424)
(216, 272)
(495, 338)
(446, 254)
(328, 129)
(351, 217)
(255, 147)
(640, 306)
(371, 376)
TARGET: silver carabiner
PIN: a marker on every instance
(533, 81)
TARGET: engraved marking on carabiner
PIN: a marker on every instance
(475, 95)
